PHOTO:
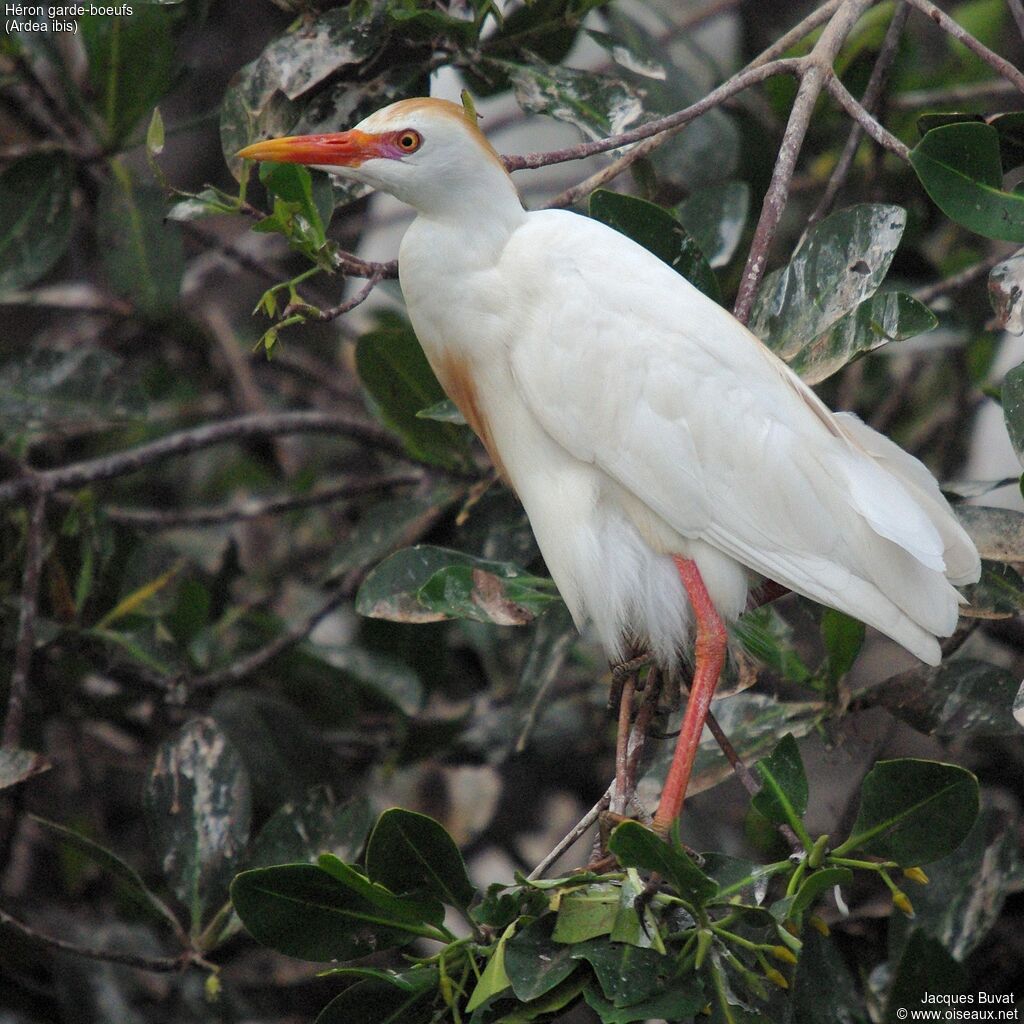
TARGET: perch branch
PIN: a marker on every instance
(869, 101)
(241, 428)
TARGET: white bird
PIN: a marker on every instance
(667, 459)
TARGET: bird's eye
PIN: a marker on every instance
(409, 141)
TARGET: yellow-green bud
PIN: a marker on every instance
(819, 925)
(776, 977)
(915, 875)
(817, 854)
(212, 988)
(781, 953)
(899, 898)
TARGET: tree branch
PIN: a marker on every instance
(25, 642)
(185, 442)
(816, 70)
(162, 964)
(999, 64)
(965, 277)
(869, 101)
(325, 315)
(254, 508)
(863, 119)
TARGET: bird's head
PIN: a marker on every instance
(427, 152)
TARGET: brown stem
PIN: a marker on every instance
(325, 315)
(152, 518)
(953, 95)
(864, 120)
(998, 64)
(162, 964)
(577, 832)
(621, 798)
(966, 276)
(184, 442)
(869, 101)
(27, 620)
(816, 70)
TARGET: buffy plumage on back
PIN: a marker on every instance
(666, 458)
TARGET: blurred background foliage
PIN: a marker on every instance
(253, 594)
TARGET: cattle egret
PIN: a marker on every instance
(667, 459)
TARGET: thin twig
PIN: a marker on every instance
(816, 70)
(784, 43)
(577, 832)
(965, 277)
(863, 119)
(737, 83)
(162, 964)
(746, 776)
(999, 64)
(25, 642)
(184, 442)
(953, 95)
(255, 508)
(869, 101)
(325, 315)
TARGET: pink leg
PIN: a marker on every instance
(708, 663)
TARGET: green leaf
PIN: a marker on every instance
(681, 1001)
(109, 862)
(429, 584)
(586, 913)
(638, 847)
(390, 525)
(155, 135)
(840, 263)
(302, 911)
(629, 926)
(877, 321)
(1013, 408)
(374, 1001)
(1006, 293)
(626, 973)
(843, 636)
(302, 831)
(963, 697)
(913, 812)
(551, 1002)
(494, 978)
(293, 184)
(267, 97)
(207, 203)
(131, 65)
(660, 233)
(815, 884)
(784, 796)
(925, 969)
(599, 105)
(535, 963)
(823, 990)
(715, 217)
(400, 383)
(197, 805)
(959, 166)
(35, 218)
(966, 890)
(142, 255)
(445, 411)
(410, 852)
(999, 594)
(18, 765)
(399, 908)
(386, 678)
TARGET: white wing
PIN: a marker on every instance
(632, 369)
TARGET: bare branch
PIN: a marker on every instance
(953, 95)
(999, 64)
(27, 620)
(869, 102)
(162, 964)
(255, 508)
(577, 832)
(816, 71)
(814, 20)
(325, 315)
(184, 442)
(864, 120)
(965, 277)
(739, 82)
